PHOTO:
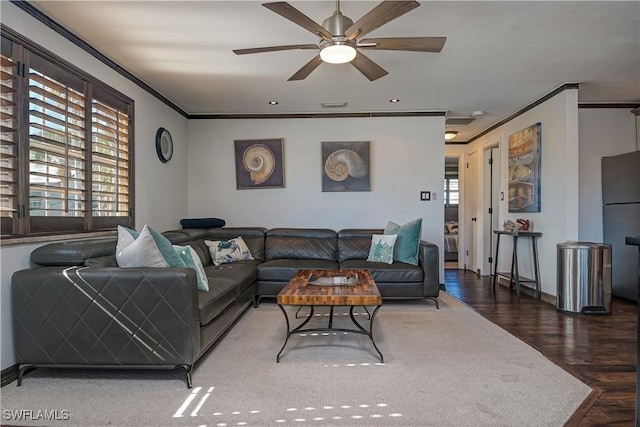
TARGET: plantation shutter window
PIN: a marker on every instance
(66, 163)
(110, 164)
(8, 140)
(57, 151)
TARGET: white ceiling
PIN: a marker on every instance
(499, 56)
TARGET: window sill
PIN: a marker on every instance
(11, 241)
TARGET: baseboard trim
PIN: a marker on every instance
(9, 375)
(528, 290)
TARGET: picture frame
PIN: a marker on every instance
(346, 166)
(525, 153)
(259, 163)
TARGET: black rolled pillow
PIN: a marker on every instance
(202, 222)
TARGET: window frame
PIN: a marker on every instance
(448, 191)
(26, 54)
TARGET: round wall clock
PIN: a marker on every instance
(164, 145)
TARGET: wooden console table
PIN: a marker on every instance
(514, 276)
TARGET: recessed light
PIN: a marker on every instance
(394, 100)
(273, 102)
(450, 134)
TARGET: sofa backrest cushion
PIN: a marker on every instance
(74, 252)
(252, 236)
(301, 243)
(201, 249)
(354, 243)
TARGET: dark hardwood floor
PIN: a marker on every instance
(599, 350)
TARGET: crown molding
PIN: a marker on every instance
(317, 115)
(529, 107)
(36, 13)
(625, 105)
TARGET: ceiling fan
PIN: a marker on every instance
(341, 38)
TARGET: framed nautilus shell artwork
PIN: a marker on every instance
(346, 166)
(259, 163)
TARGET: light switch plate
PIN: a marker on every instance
(425, 195)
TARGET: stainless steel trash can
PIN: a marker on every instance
(584, 278)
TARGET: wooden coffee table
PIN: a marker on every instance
(331, 288)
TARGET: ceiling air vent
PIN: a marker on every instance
(339, 104)
(459, 120)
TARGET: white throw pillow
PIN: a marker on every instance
(382, 248)
(149, 249)
(126, 236)
(228, 250)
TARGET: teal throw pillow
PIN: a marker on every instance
(191, 259)
(408, 242)
(382, 248)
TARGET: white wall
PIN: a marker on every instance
(160, 198)
(603, 132)
(558, 218)
(407, 156)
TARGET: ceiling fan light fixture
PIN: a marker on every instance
(450, 134)
(338, 52)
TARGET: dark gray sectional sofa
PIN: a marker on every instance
(79, 309)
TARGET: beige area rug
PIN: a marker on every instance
(447, 367)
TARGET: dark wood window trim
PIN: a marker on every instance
(92, 182)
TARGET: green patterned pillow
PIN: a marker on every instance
(382, 248)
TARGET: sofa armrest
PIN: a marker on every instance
(429, 261)
(105, 316)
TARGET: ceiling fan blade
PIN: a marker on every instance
(370, 69)
(303, 72)
(285, 10)
(381, 14)
(414, 44)
(274, 48)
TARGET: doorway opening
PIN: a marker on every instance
(451, 211)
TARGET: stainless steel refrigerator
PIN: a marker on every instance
(621, 218)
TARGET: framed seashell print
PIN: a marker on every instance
(259, 163)
(346, 166)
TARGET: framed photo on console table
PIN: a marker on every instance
(259, 163)
(346, 166)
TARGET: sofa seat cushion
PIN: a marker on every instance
(244, 273)
(222, 293)
(282, 270)
(398, 272)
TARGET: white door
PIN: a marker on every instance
(491, 207)
(472, 188)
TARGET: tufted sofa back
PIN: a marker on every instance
(252, 236)
(354, 243)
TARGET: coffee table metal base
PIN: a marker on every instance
(359, 329)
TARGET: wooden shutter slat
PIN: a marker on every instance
(8, 142)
